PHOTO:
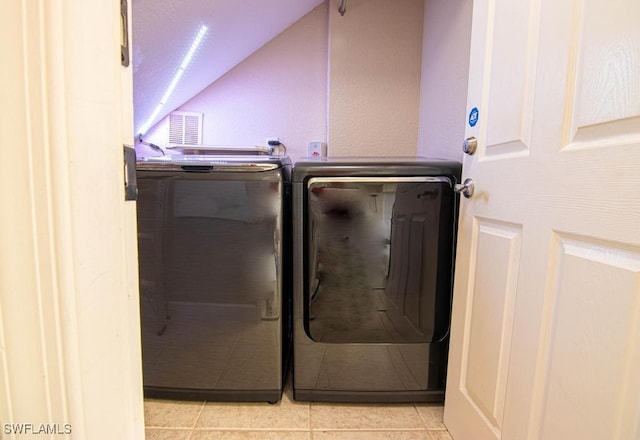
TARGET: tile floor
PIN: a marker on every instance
(291, 420)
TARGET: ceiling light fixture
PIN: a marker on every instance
(176, 78)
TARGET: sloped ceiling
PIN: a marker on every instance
(163, 31)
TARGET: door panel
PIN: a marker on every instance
(546, 300)
(490, 306)
(600, 103)
(592, 315)
(512, 29)
(498, 33)
(606, 64)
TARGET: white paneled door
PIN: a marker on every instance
(545, 340)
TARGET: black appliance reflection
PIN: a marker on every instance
(211, 281)
(372, 255)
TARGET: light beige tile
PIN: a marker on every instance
(171, 413)
(166, 434)
(370, 435)
(250, 435)
(373, 417)
(431, 415)
(285, 414)
(439, 435)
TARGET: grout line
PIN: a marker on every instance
(372, 429)
(168, 428)
(426, 425)
(193, 428)
(218, 429)
(424, 422)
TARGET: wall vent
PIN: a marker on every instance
(185, 128)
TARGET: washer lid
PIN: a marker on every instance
(191, 162)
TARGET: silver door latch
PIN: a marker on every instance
(466, 188)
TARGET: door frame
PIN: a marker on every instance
(69, 322)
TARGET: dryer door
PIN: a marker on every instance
(379, 255)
